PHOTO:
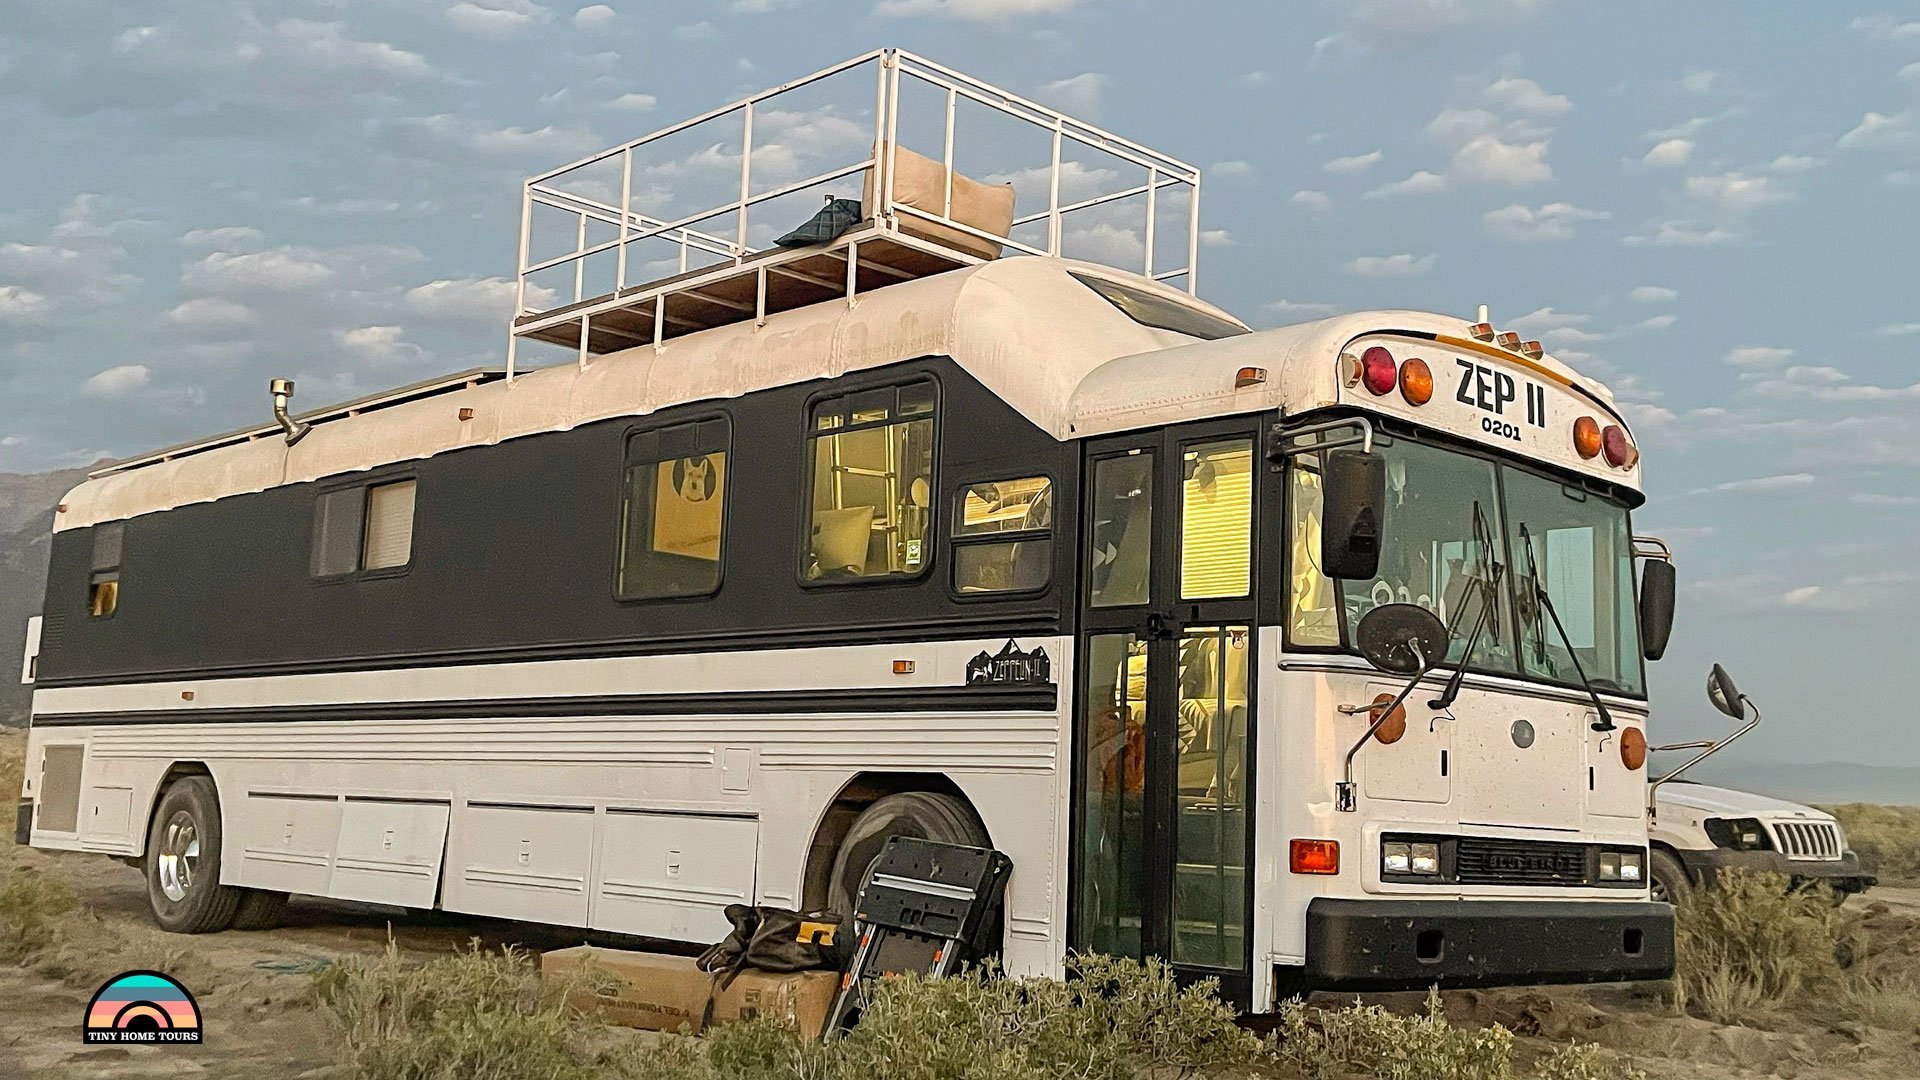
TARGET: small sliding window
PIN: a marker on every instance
(103, 582)
(1003, 537)
(673, 515)
(363, 529)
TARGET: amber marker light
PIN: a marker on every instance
(1249, 376)
(1314, 856)
(1508, 340)
(1532, 350)
(1394, 727)
(903, 667)
(1633, 748)
(1586, 437)
(1416, 382)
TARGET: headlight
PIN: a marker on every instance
(1622, 865)
(1400, 857)
(1739, 834)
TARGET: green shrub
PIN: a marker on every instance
(476, 1015)
(1887, 838)
(33, 910)
(1751, 944)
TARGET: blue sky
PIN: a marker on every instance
(1712, 206)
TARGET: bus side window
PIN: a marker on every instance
(361, 529)
(673, 517)
(1003, 537)
(1313, 615)
(871, 486)
(103, 582)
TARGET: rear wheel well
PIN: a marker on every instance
(859, 793)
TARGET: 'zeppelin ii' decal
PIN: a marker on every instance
(1491, 391)
(1010, 666)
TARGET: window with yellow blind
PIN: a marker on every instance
(1216, 520)
(674, 513)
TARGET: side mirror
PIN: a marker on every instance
(1401, 639)
(1724, 695)
(1354, 500)
(1656, 608)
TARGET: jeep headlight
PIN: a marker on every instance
(1402, 857)
(1627, 866)
(1739, 834)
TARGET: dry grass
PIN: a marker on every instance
(1887, 838)
(1751, 946)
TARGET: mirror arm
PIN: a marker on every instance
(1283, 436)
(1343, 796)
(1712, 747)
(1651, 547)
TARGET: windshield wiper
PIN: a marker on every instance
(1488, 581)
(1540, 597)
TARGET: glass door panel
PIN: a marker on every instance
(1210, 830)
(1112, 844)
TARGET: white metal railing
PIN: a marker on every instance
(583, 201)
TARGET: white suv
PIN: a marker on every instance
(1698, 831)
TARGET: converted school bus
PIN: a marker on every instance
(1014, 551)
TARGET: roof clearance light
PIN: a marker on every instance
(1633, 748)
(1532, 350)
(1620, 451)
(1416, 382)
(1586, 437)
(1377, 371)
(1249, 376)
(1481, 331)
(1507, 339)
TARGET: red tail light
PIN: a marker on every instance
(1619, 449)
(1377, 371)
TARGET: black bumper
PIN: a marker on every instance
(1842, 874)
(1413, 944)
(23, 824)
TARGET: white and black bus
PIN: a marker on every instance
(1306, 655)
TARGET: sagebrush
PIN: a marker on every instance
(1752, 945)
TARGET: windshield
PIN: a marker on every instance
(1453, 523)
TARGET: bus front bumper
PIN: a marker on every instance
(1413, 944)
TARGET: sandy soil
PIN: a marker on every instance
(251, 987)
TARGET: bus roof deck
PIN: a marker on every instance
(677, 231)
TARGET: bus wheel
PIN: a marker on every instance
(1667, 880)
(183, 861)
(259, 909)
(925, 815)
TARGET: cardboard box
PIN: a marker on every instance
(656, 992)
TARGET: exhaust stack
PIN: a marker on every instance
(282, 391)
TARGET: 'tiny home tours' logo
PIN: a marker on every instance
(142, 1007)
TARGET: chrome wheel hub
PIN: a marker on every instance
(179, 855)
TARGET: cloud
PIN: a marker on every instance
(1685, 234)
(1317, 201)
(1390, 266)
(1669, 152)
(497, 18)
(19, 304)
(991, 11)
(1886, 27)
(1233, 170)
(223, 236)
(1554, 221)
(1493, 160)
(1420, 183)
(482, 301)
(1794, 163)
(1211, 238)
(1525, 95)
(379, 346)
(462, 140)
(118, 381)
(280, 269)
(1079, 94)
(1879, 130)
(1658, 322)
(1903, 329)
(1828, 384)
(1398, 23)
(1782, 482)
(634, 102)
(1701, 82)
(1356, 163)
(594, 17)
(326, 46)
(1653, 294)
(1758, 356)
(1736, 194)
(1883, 499)
(1297, 309)
(210, 313)
(1543, 321)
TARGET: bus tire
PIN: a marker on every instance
(260, 909)
(1668, 879)
(925, 815)
(183, 861)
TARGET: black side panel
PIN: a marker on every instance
(513, 558)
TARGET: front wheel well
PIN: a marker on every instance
(859, 793)
(175, 771)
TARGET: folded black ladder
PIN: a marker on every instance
(925, 908)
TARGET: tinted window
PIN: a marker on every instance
(872, 484)
(674, 512)
(1162, 312)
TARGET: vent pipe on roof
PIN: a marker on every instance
(282, 391)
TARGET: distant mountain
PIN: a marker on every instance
(1822, 782)
(26, 527)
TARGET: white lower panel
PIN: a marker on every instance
(389, 852)
(670, 875)
(519, 862)
(286, 842)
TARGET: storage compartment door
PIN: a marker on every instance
(523, 862)
(286, 842)
(670, 875)
(390, 852)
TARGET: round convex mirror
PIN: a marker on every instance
(1724, 695)
(1403, 639)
